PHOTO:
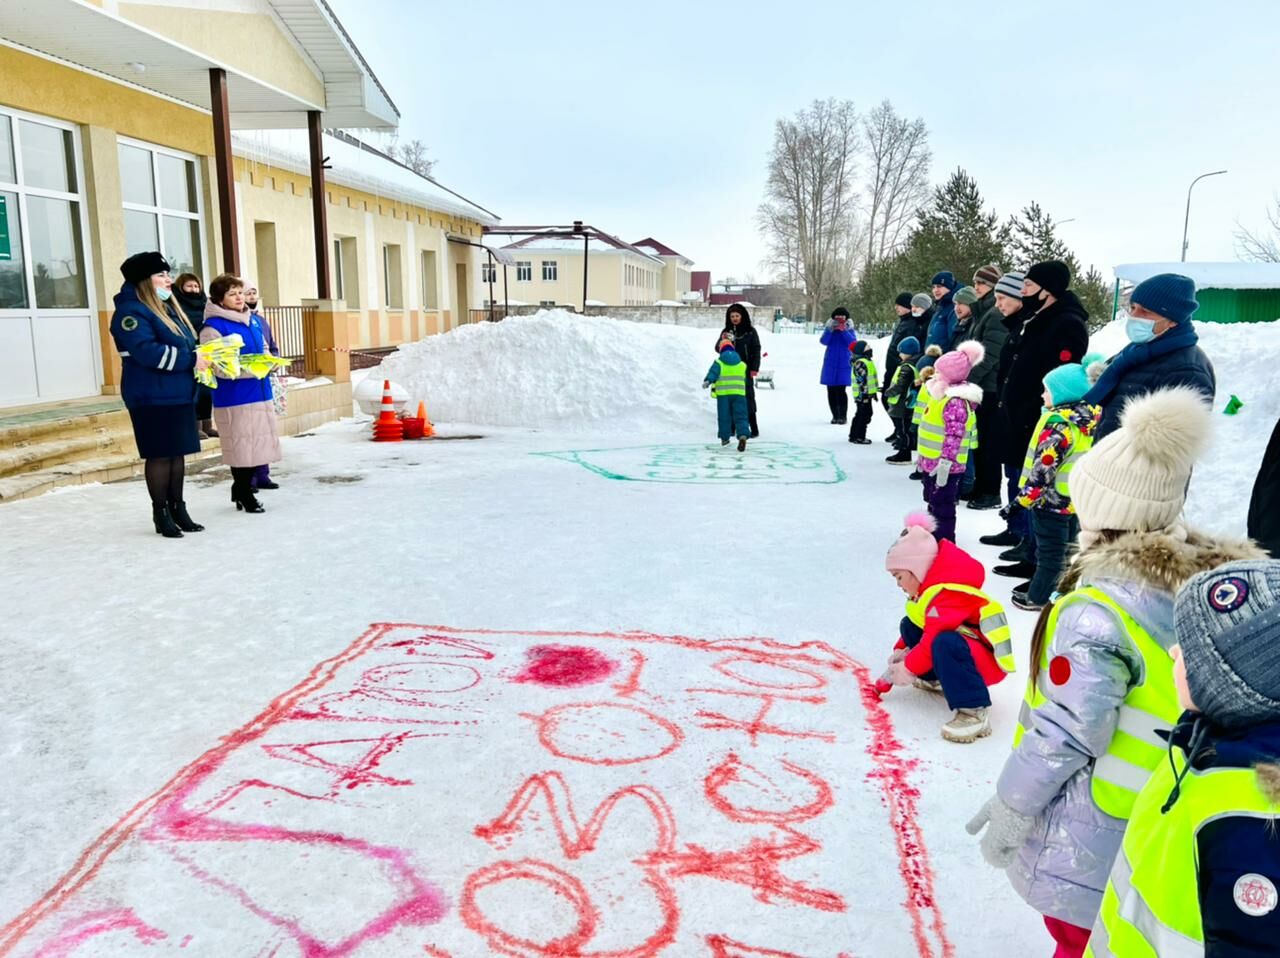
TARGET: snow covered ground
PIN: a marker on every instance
(589, 684)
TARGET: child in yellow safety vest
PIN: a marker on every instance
(947, 431)
(1199, 868)
(866, 386)
(954, 639)
(727, 379)
(1101, 687)
(1061, 438)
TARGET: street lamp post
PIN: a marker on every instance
(1187, 219)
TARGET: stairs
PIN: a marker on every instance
(69, 443)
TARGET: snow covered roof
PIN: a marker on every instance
(651, 245)
(1208, 275)
(598, 243)
(357, 165)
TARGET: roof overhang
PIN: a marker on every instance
(90, 38)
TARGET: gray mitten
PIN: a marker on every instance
(942, 472)
(1006, 831)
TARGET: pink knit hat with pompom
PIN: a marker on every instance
(916, 548)
(955, 366)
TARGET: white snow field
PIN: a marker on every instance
(587, 686)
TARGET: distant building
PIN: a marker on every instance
(1227, 292)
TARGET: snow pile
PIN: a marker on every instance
(1244, 357)
(563, 371)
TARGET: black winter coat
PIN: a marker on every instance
(1055, 335)
(1188, 366)
(746, 342)
(1264, 506)
(908, 325)
(990, 330)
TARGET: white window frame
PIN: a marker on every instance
(488, 272)
(524, 271)
(337, 273)
(550, 270)
(161, 211)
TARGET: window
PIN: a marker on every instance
(346, 270)
(337, 273)
(430, 282)
(524, 271)
(161, 204)
(488, 273)
(547, 302)
(548, 270)
(391, 278)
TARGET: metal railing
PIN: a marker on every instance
(294, 329)
(483, 315)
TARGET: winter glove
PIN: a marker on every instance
(706, 385)
(897, 655)
(1006, 831)
(942, 472)
(898, 674)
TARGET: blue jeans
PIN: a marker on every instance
(731, 414)
(953, 667)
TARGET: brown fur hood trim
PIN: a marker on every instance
(1269, 781)
(1164, 559)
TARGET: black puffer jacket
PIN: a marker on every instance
(1057, 334)
(908, 325)
(991, 330)
(1264, 507)
(1188, 366)
(746, 342)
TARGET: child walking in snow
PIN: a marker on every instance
(1201, 854)
(954, 639)
(728, 379)
(900, 397)
(946, 432)
(1101, 686)
(1063, 435)
(866, 386)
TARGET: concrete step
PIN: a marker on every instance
(112, 467)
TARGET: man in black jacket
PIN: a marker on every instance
(746, 342)
(1264, 506)
(908, 325)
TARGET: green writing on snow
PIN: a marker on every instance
(776, 463)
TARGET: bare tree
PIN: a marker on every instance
(898, 156)
(810, 201)
(413, 154)
(1261, 247)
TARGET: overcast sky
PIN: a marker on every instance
(657, 118)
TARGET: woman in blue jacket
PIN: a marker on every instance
(837, 371)
(157, 347)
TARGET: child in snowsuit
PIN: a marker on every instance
(1063, 435)
(728, 377)
(866, 386)
(1200, 862)
(1101, 685)
(954, 639)
(946, 432)
(900, 397)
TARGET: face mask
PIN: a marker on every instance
(917, 313)
(1140, 330)
(163, 293)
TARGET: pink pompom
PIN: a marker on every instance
(921, 520)
(973, 349)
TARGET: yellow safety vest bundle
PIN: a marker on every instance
(732, 380)
(933, 430)
(873, 380)
(1151, 908)
(993, 624)
(1135, 748)
(1078, 444)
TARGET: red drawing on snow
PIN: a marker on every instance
(606, 733)
(96, 925)
(733, 777)
(565, 666)
(724, 947)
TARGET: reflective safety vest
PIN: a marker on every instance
(993, 624)
(921, 402)
(1151, 908)
(732, 380)
(1135, 748)
(933, 430)
(907, 395)
(1078, 443)
(873, 380)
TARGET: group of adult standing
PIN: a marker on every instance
(157, 331)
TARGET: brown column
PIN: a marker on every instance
(225, 170)
(319, 207)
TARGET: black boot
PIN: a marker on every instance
(164, 522)
(182, 519)
(1005, 538)
(242, 492)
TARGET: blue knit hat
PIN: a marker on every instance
(1171, 295)
(1069, 382)
(944, 279)
(910, 345)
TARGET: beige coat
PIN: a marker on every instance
(248, 432)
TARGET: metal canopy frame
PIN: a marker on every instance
(577, 228)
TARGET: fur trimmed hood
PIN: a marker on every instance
(970, 391)
(1164, 560)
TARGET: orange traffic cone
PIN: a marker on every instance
(387, 428)
(428, 430)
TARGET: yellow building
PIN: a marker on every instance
(116, 123)
(547, 271)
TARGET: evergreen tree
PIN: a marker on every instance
(1032, 238)
(956, 232)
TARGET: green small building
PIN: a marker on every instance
(1228, 292)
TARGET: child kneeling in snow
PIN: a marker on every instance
(948, 429)
(728, 377)
(954, 638)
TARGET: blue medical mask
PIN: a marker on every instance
(1140, 330)
(163, 293)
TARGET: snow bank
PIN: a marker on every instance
(563, 371)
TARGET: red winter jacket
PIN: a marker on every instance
(949, 610)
